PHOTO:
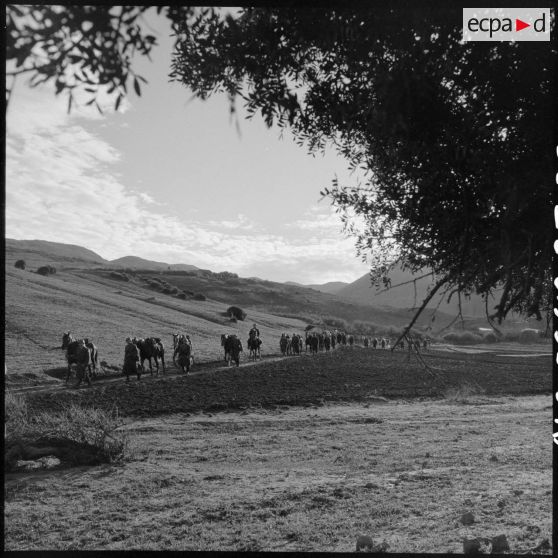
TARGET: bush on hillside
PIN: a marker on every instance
(226, 275)
(236, 312)
(529, 335)
(336, 323)
(490, 337)
(462, 338)
(119, 276)
(365, 328)
(199, 296)
(20, 264)
(182, 295)
(46, 270)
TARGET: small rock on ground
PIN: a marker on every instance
(467, 518)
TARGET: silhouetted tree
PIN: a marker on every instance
(452, 138)
(20, 264)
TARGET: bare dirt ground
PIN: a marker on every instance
(304, 479)
(346, 374)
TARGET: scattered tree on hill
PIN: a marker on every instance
(236, 312)
(452, 138)
(20, 264)
(46, 270)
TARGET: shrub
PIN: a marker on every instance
(20, 264)
(236, 312)
(365, 328)
(199, 296)
(529, 335)
(73, 432)
(490, 337)
(336, 323)
(119, 276)
(182, 295)
(462, 338)
(46, 270)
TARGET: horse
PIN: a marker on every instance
(254, 344)
(67, 338)
(151, 348)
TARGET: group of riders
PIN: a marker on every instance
(83, 353)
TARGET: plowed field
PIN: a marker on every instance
(347, 374)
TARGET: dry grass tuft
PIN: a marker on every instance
(463, 391)
(72, 428)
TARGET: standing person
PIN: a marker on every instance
(131, 360)
(83, 363)
(254, 331)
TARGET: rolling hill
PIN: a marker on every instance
(404, 296)
(93, 298)
(41, 252)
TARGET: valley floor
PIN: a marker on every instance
(304, 479)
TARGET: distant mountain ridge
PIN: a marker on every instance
(140, 263)
(43, 252)
(64, 251)
(404, 295)
(331, 288)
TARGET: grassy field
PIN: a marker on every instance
(301, 453)
(39, 309)
(304, 479)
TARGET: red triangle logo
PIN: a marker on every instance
(519, 25)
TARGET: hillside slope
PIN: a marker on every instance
(36, 253)
(42, 252)
(39, 309)
(404, 296)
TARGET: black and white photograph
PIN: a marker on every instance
(279, 278)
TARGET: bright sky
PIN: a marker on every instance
(171, 180)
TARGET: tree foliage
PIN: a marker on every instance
(20, 264)
(453, 138)
(81, 49)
